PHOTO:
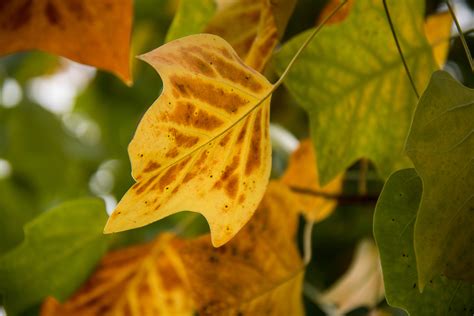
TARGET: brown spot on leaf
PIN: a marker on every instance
(21, 16)
(142, 187)
(237, 75)
(185, 113)
(169, 176)
(208, 93)
(183, 139)
(172, 153)
(243, 130)
(197, 64)
(152, 165)
(52, 13)
(232, 186)
(253, 160)
(225, 139)
(229, 169)
(241, 198)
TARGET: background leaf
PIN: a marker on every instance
(393, 229)
(359, 99)
(441, 146)
(60, 249)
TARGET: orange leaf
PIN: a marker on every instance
(140, 280)
(88, 31)
(259, 271)
(303, 174)
(204, 145)
(263, 22)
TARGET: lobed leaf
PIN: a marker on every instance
(394, 222)
(90, 32)
(59, 251)
(441, 145)
(204, 145)
(139, 280)
(259, 271)
(353, 84)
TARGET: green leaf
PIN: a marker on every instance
(441, 145)
(60, 249)
(17, 207)
(393, 230)
(190, 18)
(55, 164)
(352, 83)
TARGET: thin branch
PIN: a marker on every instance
(461, 34)
(307, 241)
(341, 199)
(400, 49)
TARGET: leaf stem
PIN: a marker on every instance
(307, 241)
(341, 199)
(305, 44)
(461, 34)
(392, 28)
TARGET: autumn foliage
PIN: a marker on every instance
(385, 152)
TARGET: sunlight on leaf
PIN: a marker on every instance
(441, 145)
(302, 173)
(92, 32)
(204, 145)
(394, 221)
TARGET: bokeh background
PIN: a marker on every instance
(65, 127)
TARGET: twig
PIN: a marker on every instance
(308, 241)
(461, 34)
(341, 199)
(400, 49)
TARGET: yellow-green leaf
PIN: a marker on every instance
(354, 86)
(204, 145)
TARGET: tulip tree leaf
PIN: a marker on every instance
(441, 145)
(352, 83)
(394, 221)
(204, 144)
(60, 249)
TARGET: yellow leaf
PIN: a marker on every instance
(303, 174)
(204, 145)
(259, 272)
(140, 280)
(88, 31)
(361, 285)
(438, 31)
(251, 27)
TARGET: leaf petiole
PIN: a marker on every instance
(461, 35)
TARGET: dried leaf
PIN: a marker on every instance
(263, 21)
(302, 173)
(438, 31)
(259, 272)
(90, 32)
(361, 286)
(139, 280)
(204, 145)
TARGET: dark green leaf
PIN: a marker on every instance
(394, 220)
(441, 146)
